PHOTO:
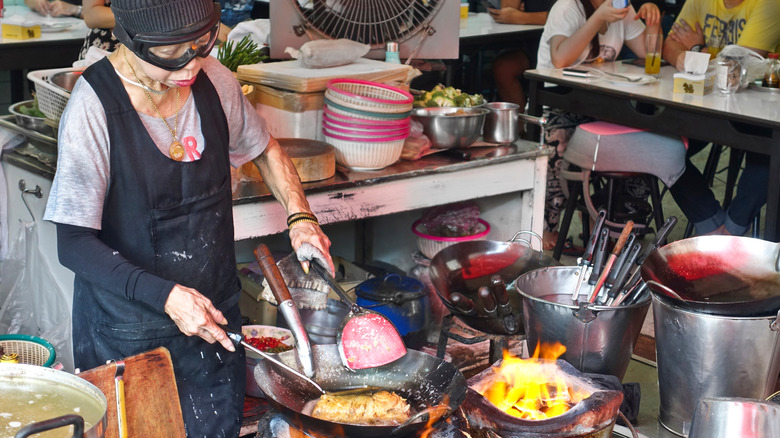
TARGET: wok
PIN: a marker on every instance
(466, 266)
(424, 380)
(721, 275)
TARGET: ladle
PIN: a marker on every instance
(365, 339)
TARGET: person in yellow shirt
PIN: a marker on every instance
(710, 25)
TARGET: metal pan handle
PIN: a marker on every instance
(54, 423)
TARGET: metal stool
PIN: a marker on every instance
(602, 153)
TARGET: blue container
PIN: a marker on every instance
(403, 300)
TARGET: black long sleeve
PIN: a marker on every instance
(80, 250)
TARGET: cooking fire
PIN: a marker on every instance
(530, 389)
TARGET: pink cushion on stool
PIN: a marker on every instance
(606, 128)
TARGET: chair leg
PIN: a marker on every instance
(575, 190)
(712, 163)
(655, 199)
(735, 163)
(756, 233)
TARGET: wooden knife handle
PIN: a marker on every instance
(272, 274)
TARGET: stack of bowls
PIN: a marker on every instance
(366, 122)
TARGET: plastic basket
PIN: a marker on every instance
(366, 154)
(429, 245)
(367, 95)
(32, 350)
(357, 134)
(345, 119)
(51, 98)
(340, 109)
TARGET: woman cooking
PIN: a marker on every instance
(142, 204)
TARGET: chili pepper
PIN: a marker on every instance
(268, 344)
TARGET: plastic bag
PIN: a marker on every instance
(417, 144)
(31, 302)
(328, 53)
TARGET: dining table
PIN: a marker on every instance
(58, 46)
(748, 119)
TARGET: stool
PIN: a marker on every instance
(602, 154)
(736, 157)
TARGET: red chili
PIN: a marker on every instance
(268, 344)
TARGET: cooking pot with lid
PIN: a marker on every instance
(57, 397)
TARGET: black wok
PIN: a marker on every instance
(424, 380)
(466, 266)
(721, 275)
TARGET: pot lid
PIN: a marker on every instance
(392, 288)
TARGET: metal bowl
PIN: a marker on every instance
(65, 79)
(37, 124)
(450, 127)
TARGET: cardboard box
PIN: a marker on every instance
(686, 83)
(14, 31)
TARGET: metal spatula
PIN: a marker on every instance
(365, 339)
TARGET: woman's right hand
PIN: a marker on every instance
(195, 315)
(609, 14)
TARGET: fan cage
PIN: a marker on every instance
(372, 22)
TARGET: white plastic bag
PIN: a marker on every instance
(31, 303)
(328, 53)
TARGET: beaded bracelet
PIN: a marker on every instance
(295, 216)
(301, 220)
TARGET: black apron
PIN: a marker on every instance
(173, 219)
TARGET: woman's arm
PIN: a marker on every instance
(97, 15)
(513, 12)
(564, 51)
(282, 179)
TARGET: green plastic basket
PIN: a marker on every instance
(32, 350)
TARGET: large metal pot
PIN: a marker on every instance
(424, 380)
(466, 266)
(57, 395)
(719, 275)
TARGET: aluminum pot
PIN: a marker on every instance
(718, 275)
(598, 339)
(57, 394)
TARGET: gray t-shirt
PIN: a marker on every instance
(83, 164)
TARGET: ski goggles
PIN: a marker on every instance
(171, 52)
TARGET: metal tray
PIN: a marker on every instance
(43, 142)
(756, 85)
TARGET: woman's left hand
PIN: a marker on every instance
(308, 232)
(650, 13)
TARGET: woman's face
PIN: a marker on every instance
(179, 78)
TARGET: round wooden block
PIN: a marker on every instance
(315, 160)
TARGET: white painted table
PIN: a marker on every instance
(518, 171)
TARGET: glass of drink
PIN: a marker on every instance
(653, 45)
(715, 44)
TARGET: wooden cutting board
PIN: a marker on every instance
(313, 159)
(151, 398)
(291, 75)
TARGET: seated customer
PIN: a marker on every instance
(57, 8)
(508, 68)
(100, 20)
(751, 24)
(579, 31)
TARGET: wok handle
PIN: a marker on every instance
(54, 423)
(272, 274)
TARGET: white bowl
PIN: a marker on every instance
(364, 154)
(252, 358)
(429, 245)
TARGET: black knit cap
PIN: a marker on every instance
(164, 17)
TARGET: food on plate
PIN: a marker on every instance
(269, 344)
(383, 408)
(441, 96)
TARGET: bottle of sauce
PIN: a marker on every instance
(772, 75)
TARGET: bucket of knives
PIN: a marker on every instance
(598, 338)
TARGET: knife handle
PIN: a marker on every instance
(599, 256)
(594, 236)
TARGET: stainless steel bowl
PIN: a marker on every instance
(37, 124)
(720, 417)
(65, 79)
(450, 127)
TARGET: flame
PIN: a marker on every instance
(530, 390)
(434, 414)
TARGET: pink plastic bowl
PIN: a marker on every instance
(429, 245)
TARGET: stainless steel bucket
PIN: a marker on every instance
(598, 339)
(735, 417)
(703, 356)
